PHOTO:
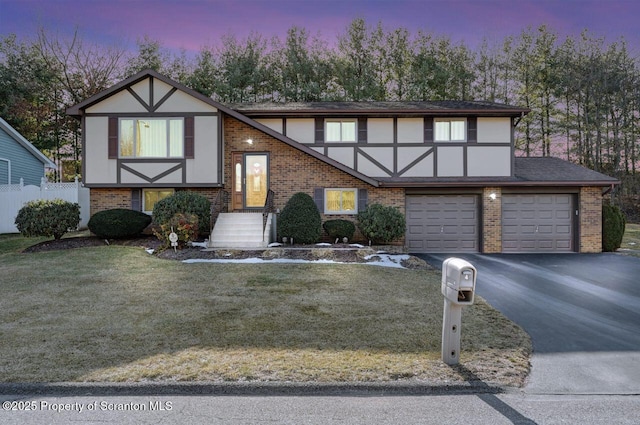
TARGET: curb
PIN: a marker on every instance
(248, 389)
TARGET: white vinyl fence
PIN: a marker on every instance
(14, 196)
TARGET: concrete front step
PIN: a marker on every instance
(239, 230)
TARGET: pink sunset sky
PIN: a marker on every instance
(192, 24)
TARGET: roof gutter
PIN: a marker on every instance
(500, 183)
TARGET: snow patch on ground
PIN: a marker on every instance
(382, 260)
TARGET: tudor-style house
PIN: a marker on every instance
(449, 166)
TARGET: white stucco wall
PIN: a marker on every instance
(301, 129)
(410, 130)
(494, 130)
(204, 167)
(380, 130)
(98, 167)
(488, 161)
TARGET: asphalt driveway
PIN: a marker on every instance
(581, 310)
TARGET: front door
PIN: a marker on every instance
(250, 180)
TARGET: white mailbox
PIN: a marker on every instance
(458, 281)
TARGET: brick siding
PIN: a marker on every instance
(292, 170)
(590, 219)
(491, 220)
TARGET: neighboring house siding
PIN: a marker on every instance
(4, 171)
(23, 164)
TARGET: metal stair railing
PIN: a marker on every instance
(219, 205)
(268, 208)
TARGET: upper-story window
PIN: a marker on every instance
(450, 130)
(340, 130)
(151, 137)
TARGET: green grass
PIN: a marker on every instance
(115, 313)
(631, 238)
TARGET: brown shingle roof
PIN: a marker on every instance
(448, 107)
(531, 171)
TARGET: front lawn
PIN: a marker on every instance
(116, 313)
(631, 238)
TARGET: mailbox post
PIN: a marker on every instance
(458, 287)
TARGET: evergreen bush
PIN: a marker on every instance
(184, 202)
(118, 223)
(338, 229)
(48, 218)
(613, 225)
(300, 220)
(381, 224)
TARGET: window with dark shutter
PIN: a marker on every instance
(428, 129)
(318, 198)
(113, 138)
(319, 130)
(136, 199)
(362, 130)
(472, 130)
(363, 198)
(189, 145)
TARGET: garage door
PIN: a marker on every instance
(537, 223)
(442, 223)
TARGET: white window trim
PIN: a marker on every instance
(142, 201)
(341, 189)
(341, 121)
(450, 120)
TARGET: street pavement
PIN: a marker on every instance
(582, 312)
(485, 408)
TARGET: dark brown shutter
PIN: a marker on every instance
(189, 131)
(362, 130)
(113, 138)
(472, 130)
(136, 199)
(318, 198)
(428, 129)
(319, 130)
(363, 197)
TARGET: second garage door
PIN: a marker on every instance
(442, 223)
(537, 223)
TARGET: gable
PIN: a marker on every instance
(149, 95)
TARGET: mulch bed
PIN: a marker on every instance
(339, 252)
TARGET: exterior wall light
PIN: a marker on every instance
(250, 141)
(493, 196)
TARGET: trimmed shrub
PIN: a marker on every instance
(338, 229)
(300, 219)
(613, 224)
(183, 225)
(48, 218)
(381, 224)
(118, 223)
(184, 202)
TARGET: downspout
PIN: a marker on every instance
(8, 169)
(606, 192)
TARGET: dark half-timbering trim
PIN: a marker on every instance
(113, 138)
(189, 137)
(428, 129)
